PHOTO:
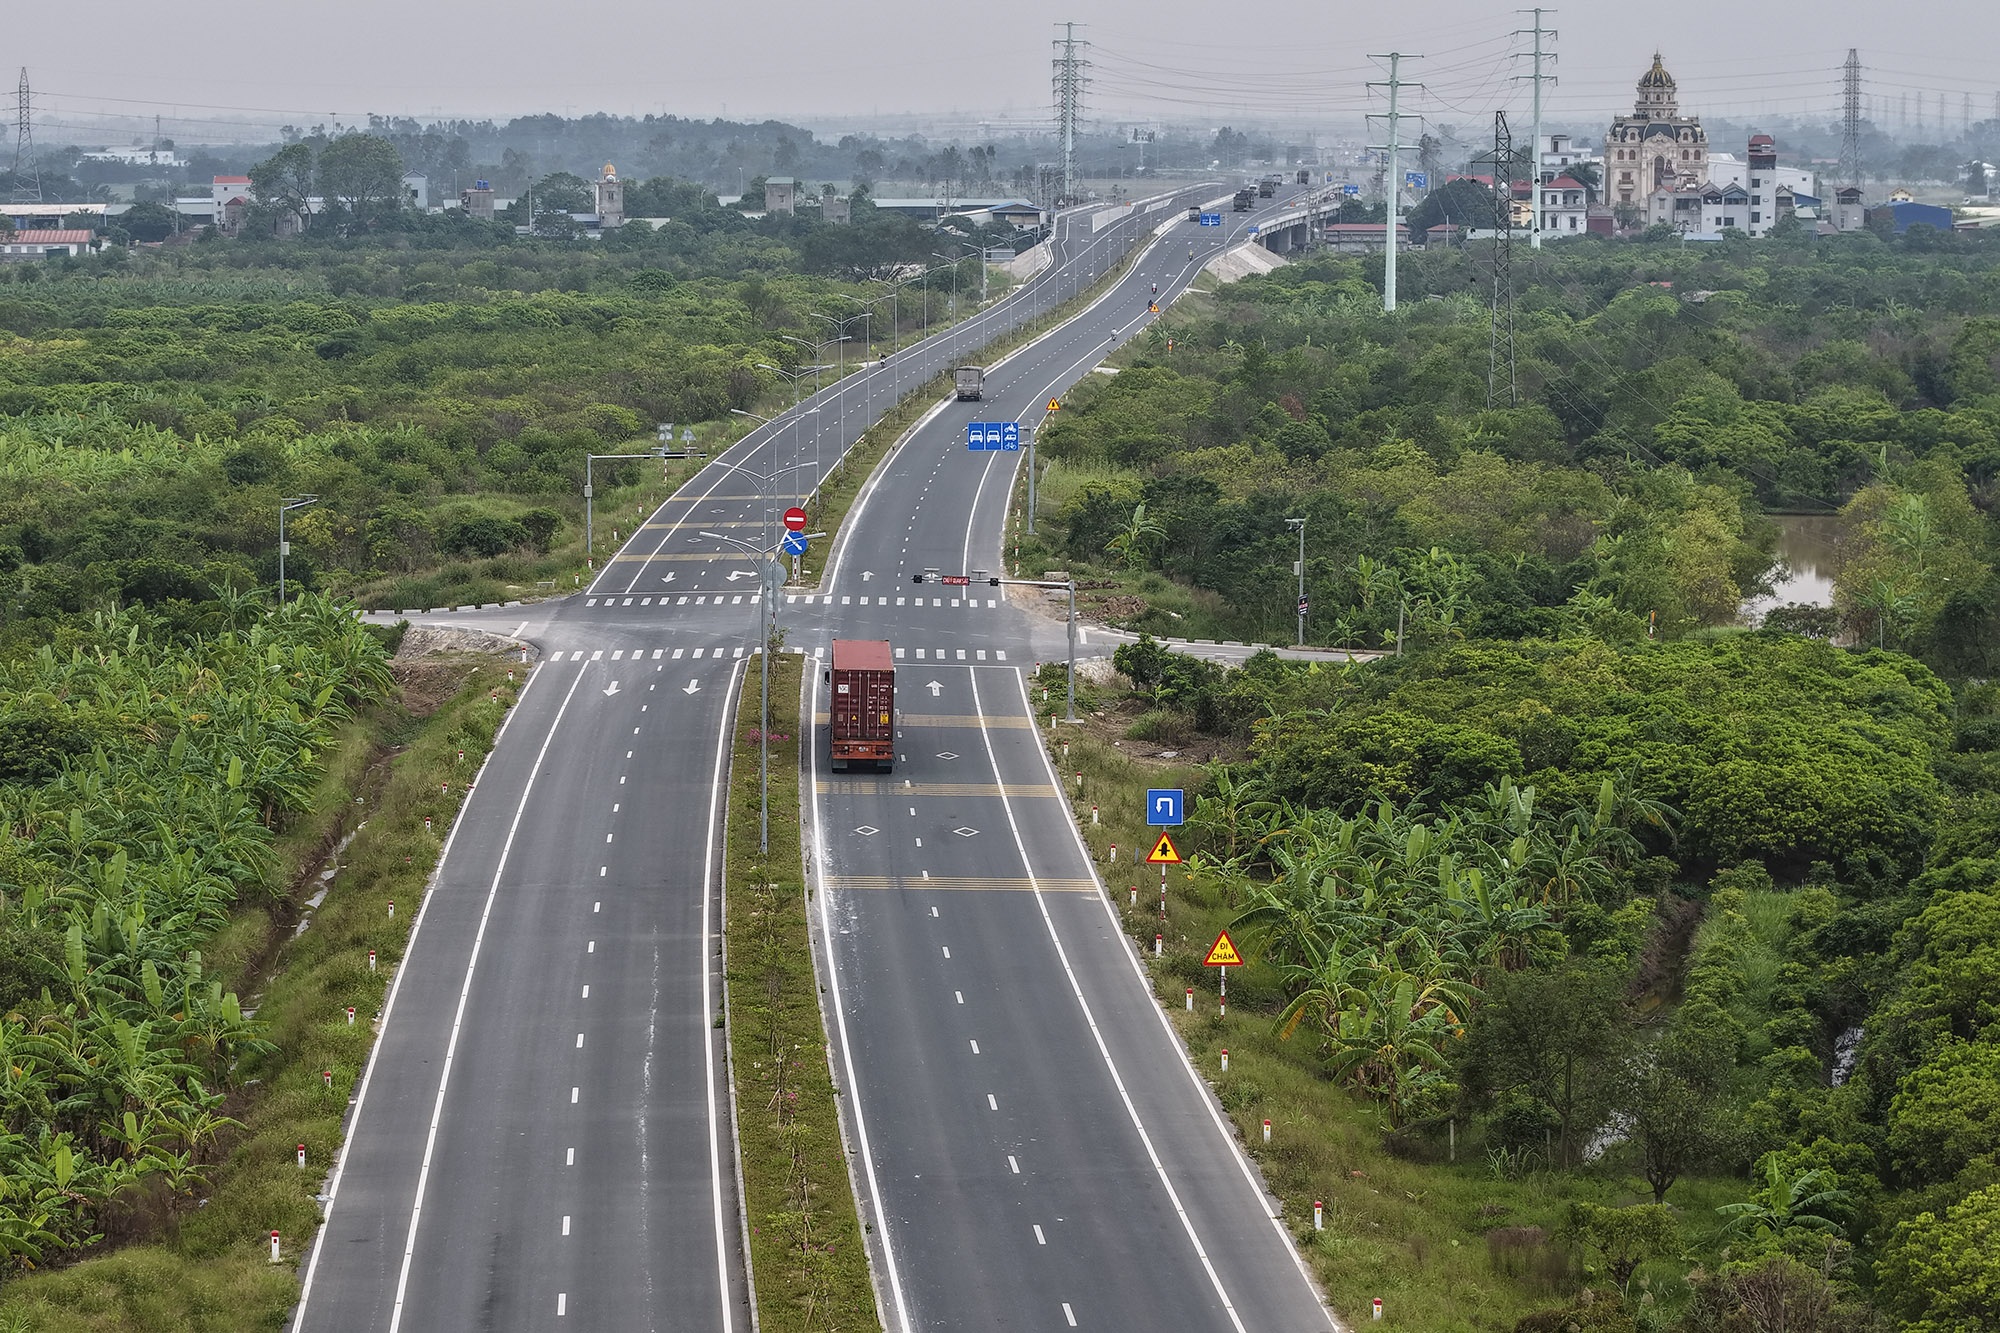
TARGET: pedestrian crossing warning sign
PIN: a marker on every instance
(1164, 853)
(1223, 953)
(1054, 406)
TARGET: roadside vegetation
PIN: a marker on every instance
(437, 391)
(1613, 966)
(1667, 401)
(170, 797)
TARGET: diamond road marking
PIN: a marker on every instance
(868, 830)
(947, 755)
(966, 832)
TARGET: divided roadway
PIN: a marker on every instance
(544, 1129)
(1038, 1152)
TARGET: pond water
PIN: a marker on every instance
(1808, 560)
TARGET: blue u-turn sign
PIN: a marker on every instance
(1163, 806)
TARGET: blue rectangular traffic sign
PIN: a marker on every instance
(794, 543)
(1419, 179)
(1211, 219)
(1350, 188)
(1163, 805)
(993, 435)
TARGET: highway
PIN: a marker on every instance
(544, 1134)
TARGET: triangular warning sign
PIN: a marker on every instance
(1164, 853)
(1223, 953)
(1054, 406)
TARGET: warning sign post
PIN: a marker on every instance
(1225, 955)
(1164, 853)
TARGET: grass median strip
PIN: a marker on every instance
(808, 1262)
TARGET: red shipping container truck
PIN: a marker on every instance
(863, 714)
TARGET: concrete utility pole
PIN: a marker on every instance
(286, 506)
(1394, 200)
(1535, 153)
(1299, 525)
(1070, 80)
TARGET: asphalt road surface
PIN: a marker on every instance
(543, 1135)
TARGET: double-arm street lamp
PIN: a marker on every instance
(286, 506)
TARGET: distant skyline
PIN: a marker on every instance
(209, 66)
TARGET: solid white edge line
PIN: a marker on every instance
(1076, 989)
(464, 994)
(715, 801)
(1207, 1098)
(811, 740)
(389, 1004)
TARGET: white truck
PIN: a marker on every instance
(971, 382)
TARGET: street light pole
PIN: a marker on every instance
(1300, 568)
(286, 506)
(764, 670)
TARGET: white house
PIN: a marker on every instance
(1564, 204)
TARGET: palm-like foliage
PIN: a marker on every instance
(1384, 926)
(134, 854)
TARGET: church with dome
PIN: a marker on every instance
(1656, 147)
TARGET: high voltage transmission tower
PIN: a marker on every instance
(1535, 145)
(27, 174)
(1393, 194)
(1850, 123)
(1500, 337)
(1070, 80)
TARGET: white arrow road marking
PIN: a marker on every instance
(668, 579)
(692, 687)
(935, 688)
(611, 689)
(867, 574)
(736, 574)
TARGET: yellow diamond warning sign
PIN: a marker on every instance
(1223, 953)
(1164, 853)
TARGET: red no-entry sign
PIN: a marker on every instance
(795, 519)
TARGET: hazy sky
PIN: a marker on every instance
(1168, 61)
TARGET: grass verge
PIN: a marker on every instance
(1451, 1246)
(809, 1264)
(210, 1271)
